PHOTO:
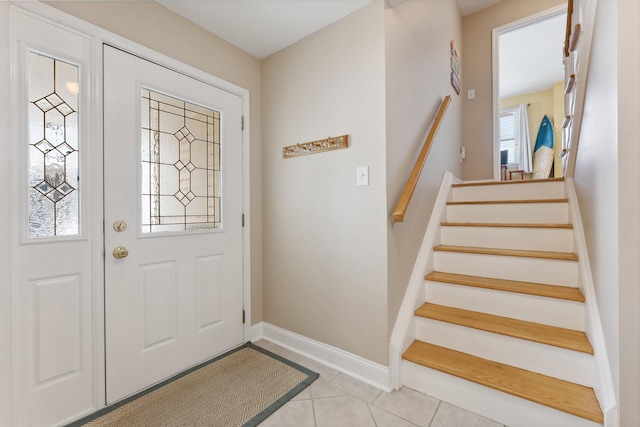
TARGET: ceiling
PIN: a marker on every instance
(467, 7)
(263, 27)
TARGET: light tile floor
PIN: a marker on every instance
(338, 400)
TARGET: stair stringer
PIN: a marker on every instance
(593, 329)
(403, 332)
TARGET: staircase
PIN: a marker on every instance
(501, 330)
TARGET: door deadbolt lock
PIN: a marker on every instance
(119, 226)
(120, 252)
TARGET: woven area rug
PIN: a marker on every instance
(240, 388)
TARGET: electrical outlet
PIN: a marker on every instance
(471, 94)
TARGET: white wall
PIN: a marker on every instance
(418, 35)
(607, 181)
(324, 238)
(596, 177)
(629, 205)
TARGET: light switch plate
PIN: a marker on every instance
(362, 173)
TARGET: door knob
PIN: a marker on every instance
(120, 252)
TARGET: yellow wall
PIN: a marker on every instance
(549, 102)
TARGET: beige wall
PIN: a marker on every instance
(607, 180)
(325, 238)
(156, 27)
(418, 35)
(541, 103)
(477, 114)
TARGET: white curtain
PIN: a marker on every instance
(523, 140)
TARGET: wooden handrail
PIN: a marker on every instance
(405, 198)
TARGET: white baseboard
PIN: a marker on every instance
(358, 367)
(255, 332)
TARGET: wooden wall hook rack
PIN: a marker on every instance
(319, 146)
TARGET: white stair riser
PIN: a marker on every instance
(528, 191)
(510, 213)
(495, 405)
(546, 271)
(545, 359)
(535, 239)
(532, 308)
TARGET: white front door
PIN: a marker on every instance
(173, 236)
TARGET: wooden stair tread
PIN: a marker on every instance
(504, 202)
(528, 181)
(549, 291)
(504, 224)
(571, 398)
(535, 332)
(564, 256)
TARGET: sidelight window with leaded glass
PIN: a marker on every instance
(180, 165)
(54, 201)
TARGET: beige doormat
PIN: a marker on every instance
(240, 388)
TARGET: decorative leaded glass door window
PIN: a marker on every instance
(180, 165)
(54, 205)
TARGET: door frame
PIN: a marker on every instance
(6, 243)
(495, 72)
(8, 238)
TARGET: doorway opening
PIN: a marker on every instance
(528, 96)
